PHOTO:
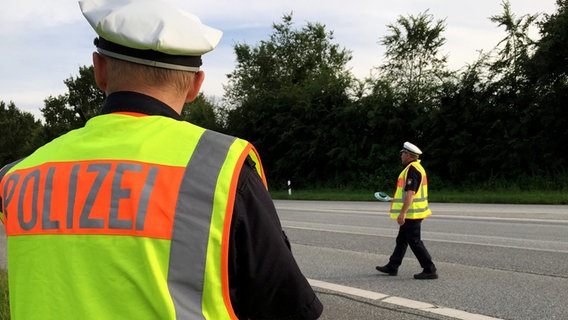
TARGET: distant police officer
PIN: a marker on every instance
(140, 215)
(409, 207)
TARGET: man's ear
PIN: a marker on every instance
(195, 86)
(99, 63)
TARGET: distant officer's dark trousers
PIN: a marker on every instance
(409, 235)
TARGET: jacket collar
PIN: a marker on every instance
(128, 101)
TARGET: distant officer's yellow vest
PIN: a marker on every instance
(126, 218)
(419, 208)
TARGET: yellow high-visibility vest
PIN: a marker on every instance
(126, 218)
(419, 208)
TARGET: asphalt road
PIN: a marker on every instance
(494, 261)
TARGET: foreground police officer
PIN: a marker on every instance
(409, 207)
(140, 215)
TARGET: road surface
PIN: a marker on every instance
(494, 261)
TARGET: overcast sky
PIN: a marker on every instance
(45, 42)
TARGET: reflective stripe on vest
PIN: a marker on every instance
(166, 251)
(190, 241)
(419, 208)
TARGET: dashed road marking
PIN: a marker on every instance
(407, 303)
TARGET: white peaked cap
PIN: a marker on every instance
(409, 147)
(150, 32)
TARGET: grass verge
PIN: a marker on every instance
(471, 196)
(4, 298)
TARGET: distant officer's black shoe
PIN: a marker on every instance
(426, 275)
(386, 269)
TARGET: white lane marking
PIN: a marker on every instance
(288, 224)
(385, 212)
(348, 290)
(407, 303)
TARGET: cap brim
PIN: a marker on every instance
(408, 151)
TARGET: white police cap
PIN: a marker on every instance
(409, 147)
(149, 32)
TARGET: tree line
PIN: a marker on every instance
(499, 122)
